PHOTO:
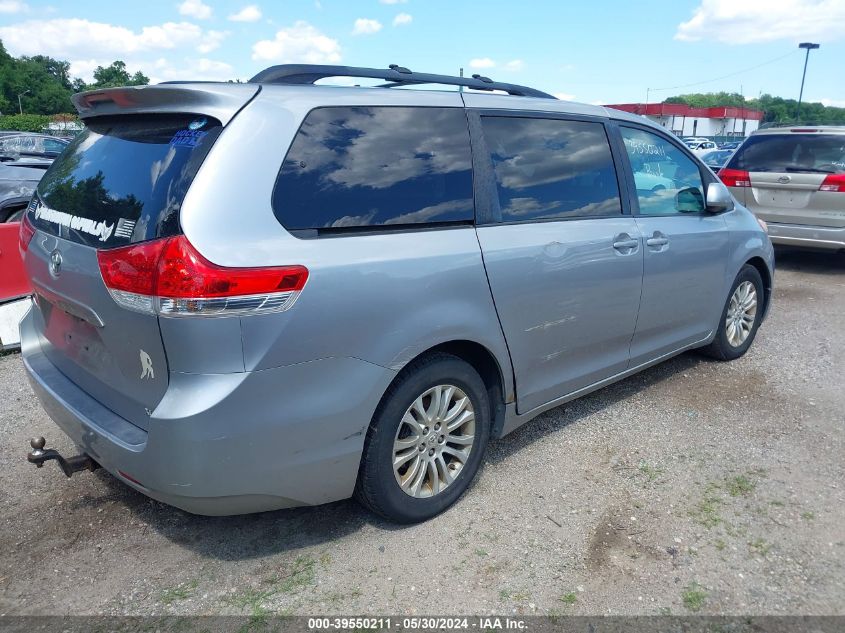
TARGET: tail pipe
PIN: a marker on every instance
(69, 465)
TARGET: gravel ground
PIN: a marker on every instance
(695, 486)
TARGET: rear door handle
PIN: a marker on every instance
(624, 243)
(657, 240)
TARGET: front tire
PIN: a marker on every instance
(741, 316)
(426, 441)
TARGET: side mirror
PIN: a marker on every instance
(719, 198)
(689, 200)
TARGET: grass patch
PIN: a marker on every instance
(481, 552)
(650, 472)
(251, 600)
(517, 596)
(569, 598)
(179, 592)
(808, 516)
(720, 544)
(693, 597)
(740, 486)
(301, 575)
(335, 597)
(706, 511)
(760, 546)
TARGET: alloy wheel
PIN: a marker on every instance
(742, 311)
(433, 441)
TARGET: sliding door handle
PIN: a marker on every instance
(624, 243)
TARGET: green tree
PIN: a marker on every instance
(776, 110)
(116, 75)
(709, 100)
(24, 122)
(43, 84)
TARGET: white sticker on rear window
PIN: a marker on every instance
(100, 230)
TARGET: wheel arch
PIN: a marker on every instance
(766, 275)
(484, 362)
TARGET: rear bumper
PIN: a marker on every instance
(227, 443)
(807, 236)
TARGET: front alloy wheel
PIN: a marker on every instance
(742, 312)
(740, 316)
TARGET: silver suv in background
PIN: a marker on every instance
(793, 178)
(262, 295)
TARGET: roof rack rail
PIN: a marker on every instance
(395, 75)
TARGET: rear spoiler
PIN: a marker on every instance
(219, 100)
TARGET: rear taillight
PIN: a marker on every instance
(27, 230)
(735, 177)
(169, 277)
(833, 182)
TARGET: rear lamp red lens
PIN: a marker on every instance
(172, 269)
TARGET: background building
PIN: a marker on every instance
(717, 123)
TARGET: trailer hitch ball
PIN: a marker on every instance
(68, 465)
(37, 444)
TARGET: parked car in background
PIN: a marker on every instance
(18, 178)
(272, 294)
(794, 179)
(30, 144)
(694, 139)
(730, 145)
(716, 158)
(699, 147)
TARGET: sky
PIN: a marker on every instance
(607, 51)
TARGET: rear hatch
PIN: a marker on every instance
(795, 177)
(120, 182)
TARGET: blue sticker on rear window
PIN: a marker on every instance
(196, 124)
(187, 138)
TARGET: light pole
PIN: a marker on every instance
(20, 107)
(809, 46)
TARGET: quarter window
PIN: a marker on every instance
(549, 168)
(365, 167)
(668, 182)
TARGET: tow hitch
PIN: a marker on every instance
(69, 465)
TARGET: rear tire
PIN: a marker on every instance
(426, 441)
(740, 318)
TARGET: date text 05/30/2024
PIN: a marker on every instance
(481, 623)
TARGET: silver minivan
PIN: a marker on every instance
(272, 294)
(793, 178)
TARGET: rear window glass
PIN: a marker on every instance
(354, 168)
(123, 179)
(548, 169)
(810, 153)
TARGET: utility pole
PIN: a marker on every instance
(20, 107)
(808, 46)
